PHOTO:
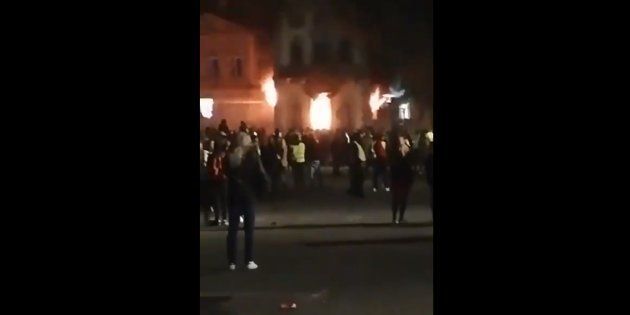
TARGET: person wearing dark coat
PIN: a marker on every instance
(428, 165)
(401, 168)
(223, 127)
(314, 156)
(380, 164)
(338, 151)
(217, 164)
(246, 180)
(277, 160)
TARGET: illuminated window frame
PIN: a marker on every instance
(404, 111)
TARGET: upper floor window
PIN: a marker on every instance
(215, 70)
(321, 52)
(296, 20)
(297, 53)
(345, 51)
(319, 19)
(237, 67)
(404, 111)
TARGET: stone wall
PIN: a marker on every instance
(292, 110)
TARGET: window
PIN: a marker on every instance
(319, 18)
(297, 57)
(345, 51)
(296, 20)
(403, 111)
(321, 52)
(237, 67)
(215, 71)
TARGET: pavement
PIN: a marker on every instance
(324, 271)
(327, 252)
(331, 206)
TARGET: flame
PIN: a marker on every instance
(321, 113)
(269, 88)
(376, 101)
(206, 105)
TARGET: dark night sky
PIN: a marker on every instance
(400, 20)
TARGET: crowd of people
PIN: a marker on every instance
(239, 166)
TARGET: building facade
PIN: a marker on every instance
(315, 47)
(317, 50)
(231, 73)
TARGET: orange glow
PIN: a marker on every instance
(376, 101)
(321, 112)
(269, 88)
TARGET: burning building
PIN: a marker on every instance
(234, 74)
(320, 62)
(311, 70)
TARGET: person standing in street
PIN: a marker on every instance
(221, 139)
(298, 153)
(428, 166)
(204, 184)
(208, 139)
(223, 127)
(401, 166)
(278, 162)
(246, 179)
(314, 158)
(380, 164)
(357, 164)
(367, 143)
(243, 132)
(218, 184)
(337, 150)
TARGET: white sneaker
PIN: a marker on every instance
(225, 222)
(374, 189)
(387, 189)
(232, 267)
(241, 219)
(252, 265)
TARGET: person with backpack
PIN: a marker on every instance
(246, 180)
(218, 184)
